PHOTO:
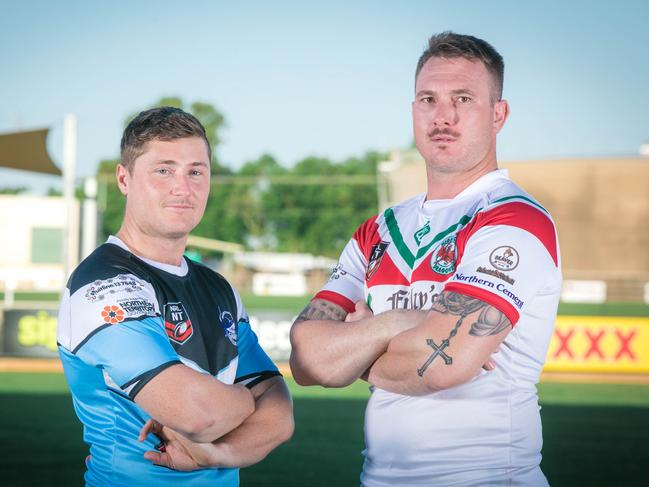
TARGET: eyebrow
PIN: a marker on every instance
(459, 91)
(171, 162)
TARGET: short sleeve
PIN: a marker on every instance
(115, 324)
(131, 353)
(507, 259)
(253, 365)
(346, 285)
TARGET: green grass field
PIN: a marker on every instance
(595, 435)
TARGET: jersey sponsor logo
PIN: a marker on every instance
(517, 301)
(444, 256)
(495, 273)
(229, 326)
(411, 299)
(504, 258)
(177, 324)
(422, 232)
(112, 314)
(474, 280)
(337, 272)
(137, 307)
(376, 256)
(123, 282)
(500, 287)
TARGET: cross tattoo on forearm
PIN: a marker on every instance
(438, 350)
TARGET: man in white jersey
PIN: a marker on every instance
(425, 293)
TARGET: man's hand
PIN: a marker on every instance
(175, 451)
(362, 311)
(270, 425)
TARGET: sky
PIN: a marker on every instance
(332, 79)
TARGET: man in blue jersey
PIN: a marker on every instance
(166, 375)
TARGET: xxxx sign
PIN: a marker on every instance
(599, 344)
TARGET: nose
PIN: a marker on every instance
(444, 115)
(180, 186)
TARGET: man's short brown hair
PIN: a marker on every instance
(451, 45)
(162, 123)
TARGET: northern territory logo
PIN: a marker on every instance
(376, 256)
(136, 307)
(444, 257)
(504, 258)
(229, 326)
(112, 314)
(177, 324)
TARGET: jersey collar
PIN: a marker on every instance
(482, 184)
(178, 270)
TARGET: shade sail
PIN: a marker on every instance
(27, 151)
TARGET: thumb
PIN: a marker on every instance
(159, 458)
(361, 306)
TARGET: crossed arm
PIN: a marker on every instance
(247, 424)
(448, 348)
(333, 349)
(407, 352)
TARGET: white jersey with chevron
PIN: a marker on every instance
(492, 242)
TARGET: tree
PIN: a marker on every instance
(13, 190)
(320, 218)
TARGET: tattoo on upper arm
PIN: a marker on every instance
(319, 309)
(490, 322)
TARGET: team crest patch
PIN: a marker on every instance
(177, 324)
(229, 326)
(444, 257)
(504, 258)
(376, 256)
(112, 314)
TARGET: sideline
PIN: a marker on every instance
(19, 364)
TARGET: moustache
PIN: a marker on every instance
(437, 132)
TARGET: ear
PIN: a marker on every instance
(501, 112)
(123, 177)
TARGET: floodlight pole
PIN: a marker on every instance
(69, 166)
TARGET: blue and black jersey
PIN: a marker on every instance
(122, 321)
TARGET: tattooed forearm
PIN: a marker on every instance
(456, 304)
(319, 309)
(490, 322)
(438, 350)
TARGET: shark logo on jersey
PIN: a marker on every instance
(229, 327)
(443, 258)
(376, 256)
(177, 324)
